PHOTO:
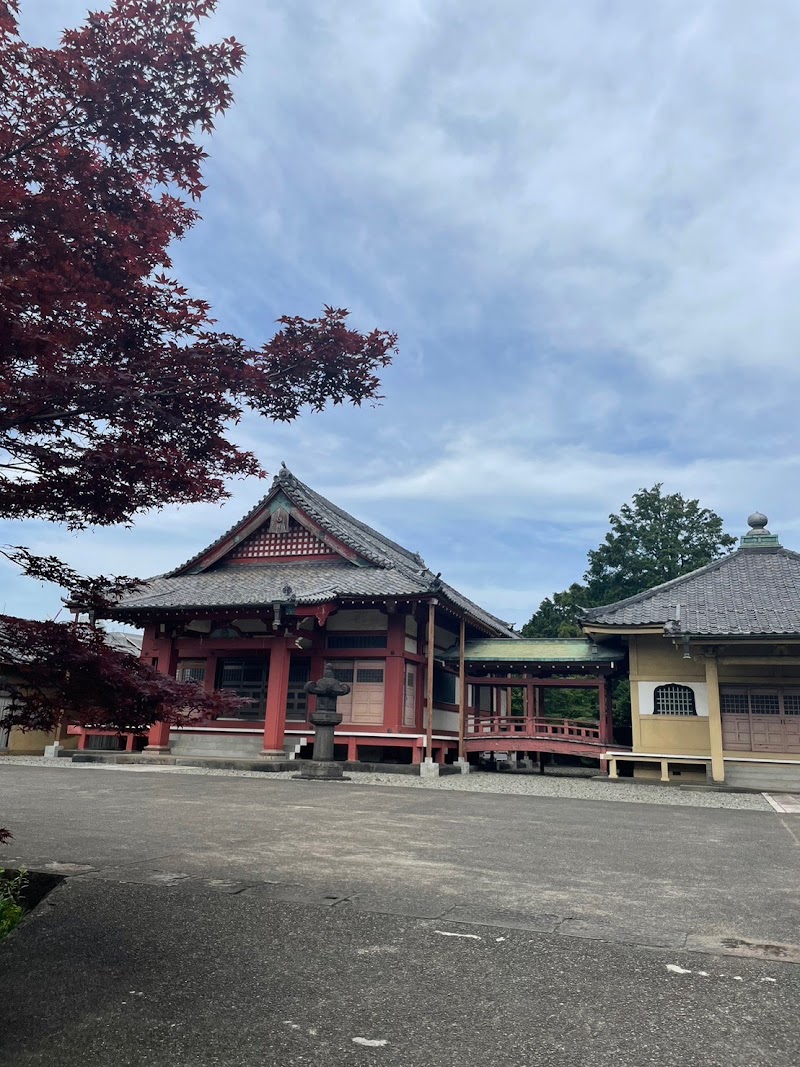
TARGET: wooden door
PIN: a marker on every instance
(367, 699)
(766, 726)
(791, 722)
(736, 732)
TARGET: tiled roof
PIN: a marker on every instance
(751, 591)
(552, 650)
(251, 585)
(387, 569)
(368, 543)
(124, 642)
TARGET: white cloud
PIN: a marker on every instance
(582, 218)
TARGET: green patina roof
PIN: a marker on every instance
(540, 650)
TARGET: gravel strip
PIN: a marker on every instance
(580, 788)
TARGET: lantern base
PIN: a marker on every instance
(321, 772)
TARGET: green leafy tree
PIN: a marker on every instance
(655, 538)
(555, 616)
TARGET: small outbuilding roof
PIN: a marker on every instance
(549, 651)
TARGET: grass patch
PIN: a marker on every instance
(13, 887)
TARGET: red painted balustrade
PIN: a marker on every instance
(485, 724)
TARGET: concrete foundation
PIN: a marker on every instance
(228, 745)
(428, 769)
(770, 777)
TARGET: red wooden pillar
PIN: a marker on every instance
(277, 693)
(606, 718)
(158, 735)
(430, 652)
(352, 749)
(210, 677)
(394, 678)
(530, 703)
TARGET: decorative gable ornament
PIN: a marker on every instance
(279, 521)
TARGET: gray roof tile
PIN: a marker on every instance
(251, 585)
(753, 591)
(388, 569)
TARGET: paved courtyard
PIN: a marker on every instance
(224, 919)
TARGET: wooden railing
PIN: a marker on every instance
(531, 727)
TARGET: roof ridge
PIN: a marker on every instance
(637, 598)
(478, 610)
(285, 480)
(753, 590)
(412, 558)
(175, 572)
(371, 545)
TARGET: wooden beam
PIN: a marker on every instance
(429, 677)
(759, 661)
(553, 683)
(462, 690)
(714, 720)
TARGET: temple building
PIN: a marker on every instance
(714, 662)
(298, 583)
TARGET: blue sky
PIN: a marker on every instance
(583, 221)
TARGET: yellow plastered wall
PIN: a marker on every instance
(33, 742)
(655, 659)
(683, 736)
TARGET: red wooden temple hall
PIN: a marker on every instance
(298, 583)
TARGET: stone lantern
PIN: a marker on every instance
(327, 690)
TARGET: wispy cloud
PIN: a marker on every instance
(583, 221)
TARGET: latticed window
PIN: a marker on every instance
(369, 675)
(760, 701)
(296, 696)
(674, 700)
(764, 704)
(356, 641)
(247, 677)
(191, 671)
(734, 703)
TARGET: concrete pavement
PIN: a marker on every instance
(218, 920)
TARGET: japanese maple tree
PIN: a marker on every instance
(117, 392)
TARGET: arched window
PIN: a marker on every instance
(674, 700)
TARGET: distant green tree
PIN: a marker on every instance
(655, 538)
(555, 616)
